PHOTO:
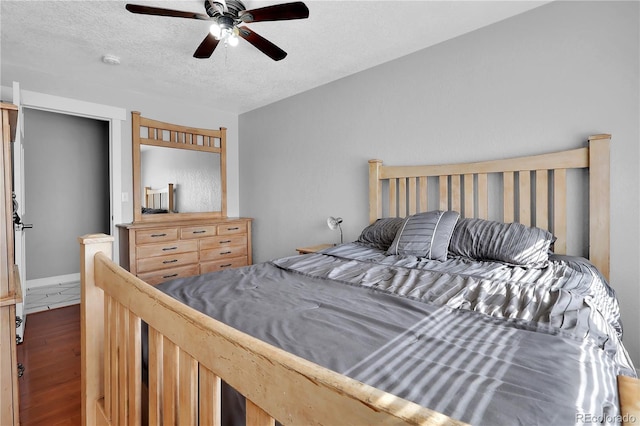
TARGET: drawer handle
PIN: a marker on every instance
(200, 232)
(170, 276)
(233, 229)
(225, 252)
(169, 248)
(158, 235)
(226, 265)
(225, 242)
(170, 261)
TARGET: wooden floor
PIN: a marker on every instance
(50, 386)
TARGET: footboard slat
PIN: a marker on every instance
(123, 380)
(155, 372)
(134, 366)
(107, 357)
(112, 327)
(169, 382)
(210, 398)
(187, 390)
(256, 416)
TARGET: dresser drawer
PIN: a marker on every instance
(156, 235)
(168, 261)
(158, 277)
(223, 252)
(219, 265)
(223, 241)
(203, 231)
(232, 228)
(170, 247)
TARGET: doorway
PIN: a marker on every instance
(66, 176)
(115, 116)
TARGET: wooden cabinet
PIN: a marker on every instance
(160, 251)
(9, 279)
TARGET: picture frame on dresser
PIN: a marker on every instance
(194, 235)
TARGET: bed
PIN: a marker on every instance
(159, 200)
(437, 336)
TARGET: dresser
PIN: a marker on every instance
(159, 251)
(10, 290)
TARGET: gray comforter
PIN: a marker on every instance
(482, 342)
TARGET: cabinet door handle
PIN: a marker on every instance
(225, 242)
(169, 248)
(226, 265)
(233, 229)
(170, 261)
(225, 252)
(170, 276)
(158, 235)
(199, 232)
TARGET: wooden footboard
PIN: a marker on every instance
(190, 353)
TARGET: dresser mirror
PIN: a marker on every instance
(178, 172)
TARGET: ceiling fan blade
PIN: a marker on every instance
(278, 12)
(159, 11)
(262, 44)
(206, 48)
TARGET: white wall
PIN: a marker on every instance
(541, 81)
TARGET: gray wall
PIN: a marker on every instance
(66, 163)
(541, 81)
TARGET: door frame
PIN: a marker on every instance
(114, 115)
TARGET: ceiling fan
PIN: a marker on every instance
(227, 17)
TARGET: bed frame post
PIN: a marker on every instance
(599, 201)
(92, 325)
(375, 190)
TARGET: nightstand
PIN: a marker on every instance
(313, 249)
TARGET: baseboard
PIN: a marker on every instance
(41, 282)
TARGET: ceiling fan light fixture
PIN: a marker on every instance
(232, 40)
(215, 30)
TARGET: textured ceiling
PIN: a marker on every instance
(64, 41)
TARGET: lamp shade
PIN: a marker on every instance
(334, 222)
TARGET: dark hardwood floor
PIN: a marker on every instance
(50, 353)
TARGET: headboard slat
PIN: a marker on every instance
(469, 199)
(422, 185)
(483, 196)
(455, 193)
(412, 196)
(524, 179)
(444, 192)
(402, 197)
(542, 199)
(393, 197)
(508, 191)
(560, 210)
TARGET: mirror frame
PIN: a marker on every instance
(179, 137)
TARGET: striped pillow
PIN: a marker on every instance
(512, 243)
(425, 235)
(380, 234)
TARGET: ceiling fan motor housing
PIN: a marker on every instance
(216, 9)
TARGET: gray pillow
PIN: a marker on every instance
(380, 234)
(512, 243)
(425, 235)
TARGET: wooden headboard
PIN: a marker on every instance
(533, 191)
